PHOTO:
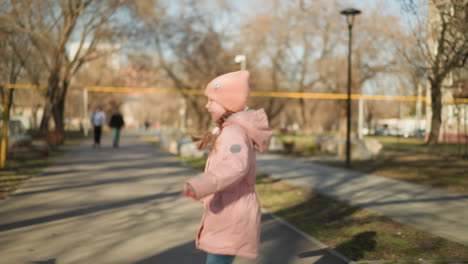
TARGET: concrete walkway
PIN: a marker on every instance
(123, 206)
(436, 211)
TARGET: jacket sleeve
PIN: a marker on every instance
(93, 116)
(111, 121)
(233, 146)
(122, 121)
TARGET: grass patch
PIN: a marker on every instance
(75, 137)
(198, 163)
(298, 139)
(416, 145)
(445, 172)
(356, 233)
(152, 140)
(406, 159)
(26, 164)
(440, 172)
(22, 167)
(298, 144)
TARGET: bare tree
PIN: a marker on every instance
(442, 40)
(264, 38)
(51, 26)
(190, 50)
(299, 44)
(10, 68)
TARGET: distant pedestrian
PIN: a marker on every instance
(147, 124)
(231, 223)
(116, 123)
(98, 119)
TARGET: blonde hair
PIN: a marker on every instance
(208, 141)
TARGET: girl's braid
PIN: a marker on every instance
(209, 139)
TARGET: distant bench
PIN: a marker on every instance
(19, 140)
(17, 136)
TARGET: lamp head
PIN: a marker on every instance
(350, 13)
(239, 58)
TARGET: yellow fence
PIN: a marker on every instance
(253, 93)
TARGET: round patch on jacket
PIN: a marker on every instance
(235, 148)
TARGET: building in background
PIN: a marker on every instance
(454, 127)
(109, 53)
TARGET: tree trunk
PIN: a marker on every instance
(369, 119)
(44, 126)
(303, 113)
(53, 96)
(436, 107)
(57, 112)
(35, 109)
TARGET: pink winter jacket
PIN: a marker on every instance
(231, 220)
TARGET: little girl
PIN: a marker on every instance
(231, 221)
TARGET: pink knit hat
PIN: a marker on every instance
(230, 90)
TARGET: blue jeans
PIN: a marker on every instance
(116, 136)
(219, 259)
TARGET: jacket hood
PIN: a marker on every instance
(255, 123)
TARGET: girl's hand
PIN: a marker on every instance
(189, 191)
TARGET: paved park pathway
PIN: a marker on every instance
(123, 205)
(433, 210)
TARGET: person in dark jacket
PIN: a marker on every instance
(116, 123)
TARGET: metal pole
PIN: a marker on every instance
(465, 152)
(419, 106)
(182, 115)
(85, 111)
(428, 113)
(4, 141)
(361, 118)
(242, 59)
(348, 121)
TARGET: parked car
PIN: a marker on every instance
(419, 133)
(385, 132)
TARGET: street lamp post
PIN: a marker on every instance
(350, 13)
(85, 112)
(242, 59)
